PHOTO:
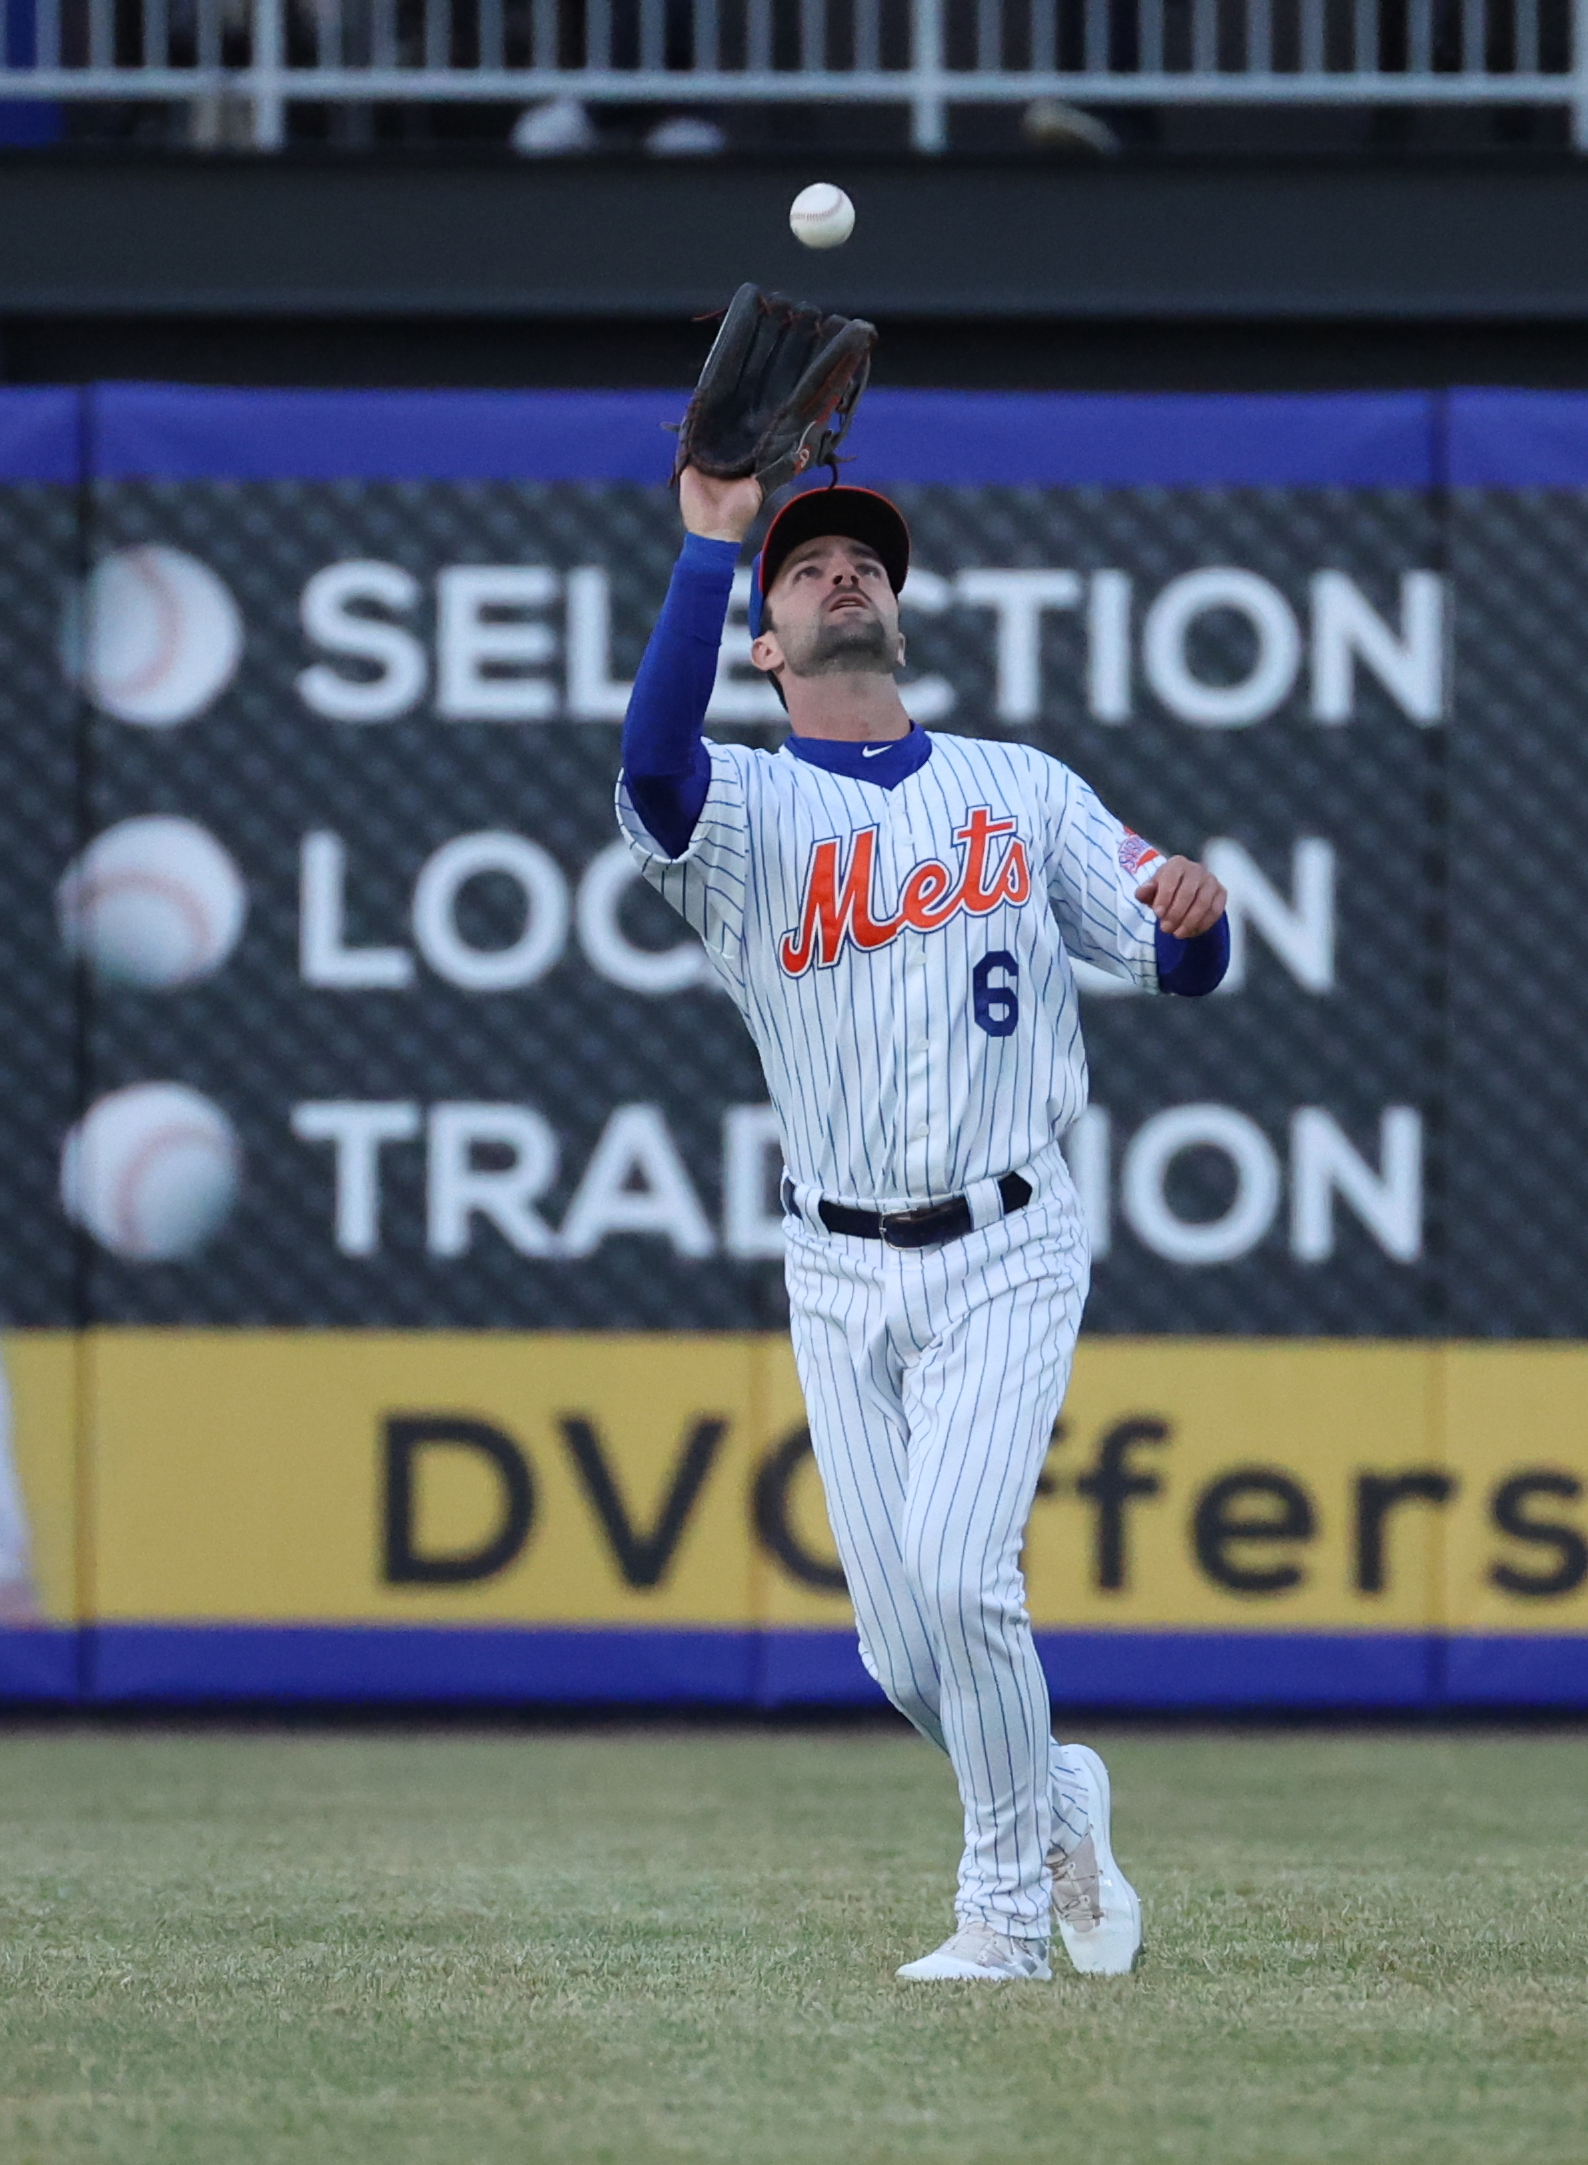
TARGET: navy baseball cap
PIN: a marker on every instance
(857, 514)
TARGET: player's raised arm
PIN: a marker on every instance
(665, 763)
(775, 397)
(1119, 901)
(717, 510)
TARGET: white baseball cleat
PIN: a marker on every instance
(980, 1955)
(1098, 1912)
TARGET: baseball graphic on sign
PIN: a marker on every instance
(155, 636)
(151, 1171)
(155, 902)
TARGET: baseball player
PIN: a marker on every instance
(894, 914)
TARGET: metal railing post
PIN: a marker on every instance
(929, 127)
(270, 104)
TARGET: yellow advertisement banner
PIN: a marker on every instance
(631, 1479)
(1514, 1422)
(41, 1525)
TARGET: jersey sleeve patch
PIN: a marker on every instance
(1134, 853)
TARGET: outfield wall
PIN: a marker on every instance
(428, 1342)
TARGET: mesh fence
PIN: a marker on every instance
(1376, 1133)
(40, 779)
(1516, 1261)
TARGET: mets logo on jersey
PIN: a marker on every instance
(836, 908)
(1134, 853)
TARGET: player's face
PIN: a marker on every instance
(831, 612)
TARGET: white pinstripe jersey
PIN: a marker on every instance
(894, 954)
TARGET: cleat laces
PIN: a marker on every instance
(1077, 1892)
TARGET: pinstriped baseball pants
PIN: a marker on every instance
(932, 1380)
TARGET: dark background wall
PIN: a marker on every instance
(1174, 274)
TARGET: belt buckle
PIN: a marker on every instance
(905, 1219)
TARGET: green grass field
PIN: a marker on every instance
(498, 1948)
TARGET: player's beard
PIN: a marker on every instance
(851, 645)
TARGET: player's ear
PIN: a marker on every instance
(766, 653)
(898, 659)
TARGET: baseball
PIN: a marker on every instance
(822, 216)
(151, 1171)
(155, 903)
(157, 636)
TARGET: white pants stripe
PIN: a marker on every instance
(932, 1380)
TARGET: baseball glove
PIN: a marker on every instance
(777, 393)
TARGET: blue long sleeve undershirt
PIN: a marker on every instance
(668, 769)
(665, 763)
(1193, 968)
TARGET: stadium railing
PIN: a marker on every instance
(922, 56)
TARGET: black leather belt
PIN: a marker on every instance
(928, 1227)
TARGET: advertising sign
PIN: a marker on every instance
(396, 1190)
(402, 1515)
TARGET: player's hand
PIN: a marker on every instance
(717, 510)
(1184, 897)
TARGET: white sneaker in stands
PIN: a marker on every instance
(981, 1955)
(1098, 1913)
